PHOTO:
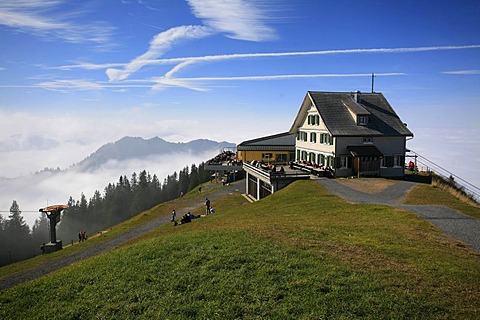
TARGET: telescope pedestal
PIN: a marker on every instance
(53, 246)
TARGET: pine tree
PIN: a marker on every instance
(18, 233)
(40, 231)
(4, 257)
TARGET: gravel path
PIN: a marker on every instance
(452, 222)
(90, 251)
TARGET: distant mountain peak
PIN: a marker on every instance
(138, 148)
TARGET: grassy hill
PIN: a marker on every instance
(300, 253)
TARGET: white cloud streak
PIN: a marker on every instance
(160, 44)
(463, 72)
(168, 80)
(41, 18)
(234, 56)
(239, 19)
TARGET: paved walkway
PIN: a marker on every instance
(452, 222)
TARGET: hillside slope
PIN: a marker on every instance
(299, 253)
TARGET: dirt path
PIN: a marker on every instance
(213, 192)
(452, 222)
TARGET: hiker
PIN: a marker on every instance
(411, 166)
(80, 237)
(174, 214)
(207, 205)
(185, 219)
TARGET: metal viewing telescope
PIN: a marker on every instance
(53, 214)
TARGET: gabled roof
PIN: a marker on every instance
(281, 141)
(333, 108)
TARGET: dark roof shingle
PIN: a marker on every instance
(334, 111)
(281, 141)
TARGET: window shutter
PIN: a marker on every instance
(321, 138)
(330, 138)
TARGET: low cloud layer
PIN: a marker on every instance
(35, 191)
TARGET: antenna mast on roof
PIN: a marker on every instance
(373, 81)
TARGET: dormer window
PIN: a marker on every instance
(314, 120)
(367, 140)
(362, 120)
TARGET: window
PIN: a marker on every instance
(330, 161)
(325, 138)
(313, 119)
(313, 137)
(362, 120)
(302, 136)
(281, 157)
(267, 156)
(367, 140)
(321, 159)
(387, 161)
(344, 162)
(398, 161)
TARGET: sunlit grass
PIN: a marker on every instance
(428, 194)
(300, 253)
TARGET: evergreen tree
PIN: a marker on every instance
(18, 233)
(194, 179)
(183, 180)
(82, 212)
(156, 196)
(4, 257)
(95, 211)
(141, 194)
(109, 205)
(41, 231)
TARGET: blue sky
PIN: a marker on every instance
(77, 74)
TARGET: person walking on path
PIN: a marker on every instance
(207, 205)
(174, 215)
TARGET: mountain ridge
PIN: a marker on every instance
(137, 147)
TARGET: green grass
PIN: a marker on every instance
(300, 253)
(428, 194)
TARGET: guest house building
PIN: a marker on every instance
(351, 134)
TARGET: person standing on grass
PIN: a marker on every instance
(174, 214)
(207, 205)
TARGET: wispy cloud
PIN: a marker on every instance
(467, 72)
(239, 19)
(168, 80)
(234, 56)
(77, 84)
(211, 58)
(190, 82)
(42, 18)
(161, 43)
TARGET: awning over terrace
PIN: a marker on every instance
(364, 151)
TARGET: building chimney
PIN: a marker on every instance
(357, 96)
